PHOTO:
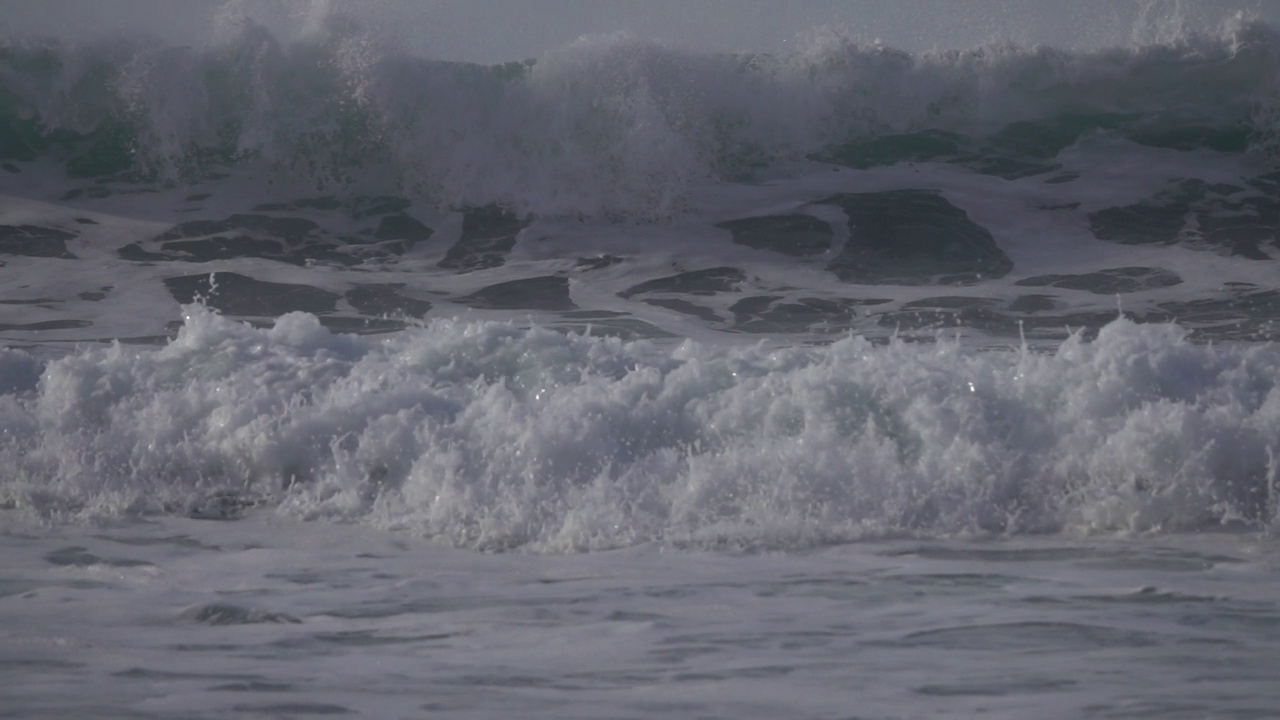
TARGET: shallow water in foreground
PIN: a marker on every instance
(270, 618)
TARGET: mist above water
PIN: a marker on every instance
(488, 31)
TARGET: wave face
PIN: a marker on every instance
(609, 125)
(491, 436)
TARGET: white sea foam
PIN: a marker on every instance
(492, 436)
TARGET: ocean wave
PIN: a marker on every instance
(613, 124)
(492, 436)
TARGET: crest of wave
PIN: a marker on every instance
(615, 125)
(607, 126)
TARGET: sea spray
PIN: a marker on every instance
(609, 125)
(493, 436)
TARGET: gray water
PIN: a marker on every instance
(267, 618)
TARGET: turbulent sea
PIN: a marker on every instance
(634, 382)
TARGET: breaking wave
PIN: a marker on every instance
(608, 125)
(493, 436)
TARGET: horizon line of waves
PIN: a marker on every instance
(607, 125)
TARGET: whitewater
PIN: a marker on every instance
(633, 379)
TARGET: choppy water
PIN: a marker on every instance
(182, 618)
(846, 382)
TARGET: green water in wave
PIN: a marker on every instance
(1027, 147)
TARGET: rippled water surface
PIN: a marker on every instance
(197, 619)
